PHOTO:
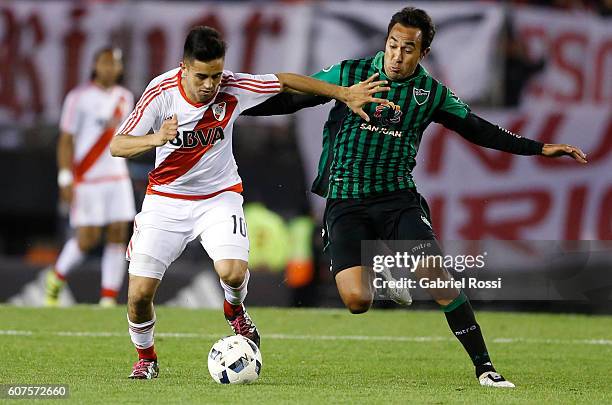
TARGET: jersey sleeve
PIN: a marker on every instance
(453, 104)
(253, 89)
(330, 74)
(145, 115)
(70, 117)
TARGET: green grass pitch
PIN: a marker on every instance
(310, 356)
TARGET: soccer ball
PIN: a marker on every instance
(234, 360)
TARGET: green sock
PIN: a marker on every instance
(461, 320)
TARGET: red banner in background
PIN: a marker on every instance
(504, 196)
(48, 47)
(577, 49)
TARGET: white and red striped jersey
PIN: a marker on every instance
(91, 114)
(199, 163)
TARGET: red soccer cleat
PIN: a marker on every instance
(145, 370)
(240, 321)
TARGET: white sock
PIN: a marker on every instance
(70, 257)
(236, 295)
(113, 269)
(142, 333)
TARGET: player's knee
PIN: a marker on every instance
(231, 271)
(359, 307)
(117, 233)
(139, 299)
(139, 305)
(87, 243)
(87, 240)
(357, 303)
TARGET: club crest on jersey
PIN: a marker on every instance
(420, 95)
(389, 113)
(218, 110)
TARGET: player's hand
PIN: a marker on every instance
(361, 94)
(556, 150)
(167, 132)
(66, 194)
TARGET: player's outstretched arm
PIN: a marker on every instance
(129, 146)
(483, 133)
(285, 103)
(355, 97)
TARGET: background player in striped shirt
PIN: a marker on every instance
(95, 184)
(194, 189)
(365, 170)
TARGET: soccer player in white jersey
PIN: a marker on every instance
(96, 184)
(194, 189)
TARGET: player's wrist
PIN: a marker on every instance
(65, 177)
(153, 139)
(344, 93)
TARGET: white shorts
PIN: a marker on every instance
(99, 204)
(165, 225)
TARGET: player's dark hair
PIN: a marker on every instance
(100, 52)
(415, 17)
(203, 44)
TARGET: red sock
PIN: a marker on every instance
(107, 292)
(148, 353)
(60, 276)
(231, 310)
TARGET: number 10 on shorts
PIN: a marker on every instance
(239, 223)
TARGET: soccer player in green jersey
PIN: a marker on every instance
(365, 170)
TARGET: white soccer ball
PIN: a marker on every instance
(234, 360)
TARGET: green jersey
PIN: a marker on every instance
(360, 158)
